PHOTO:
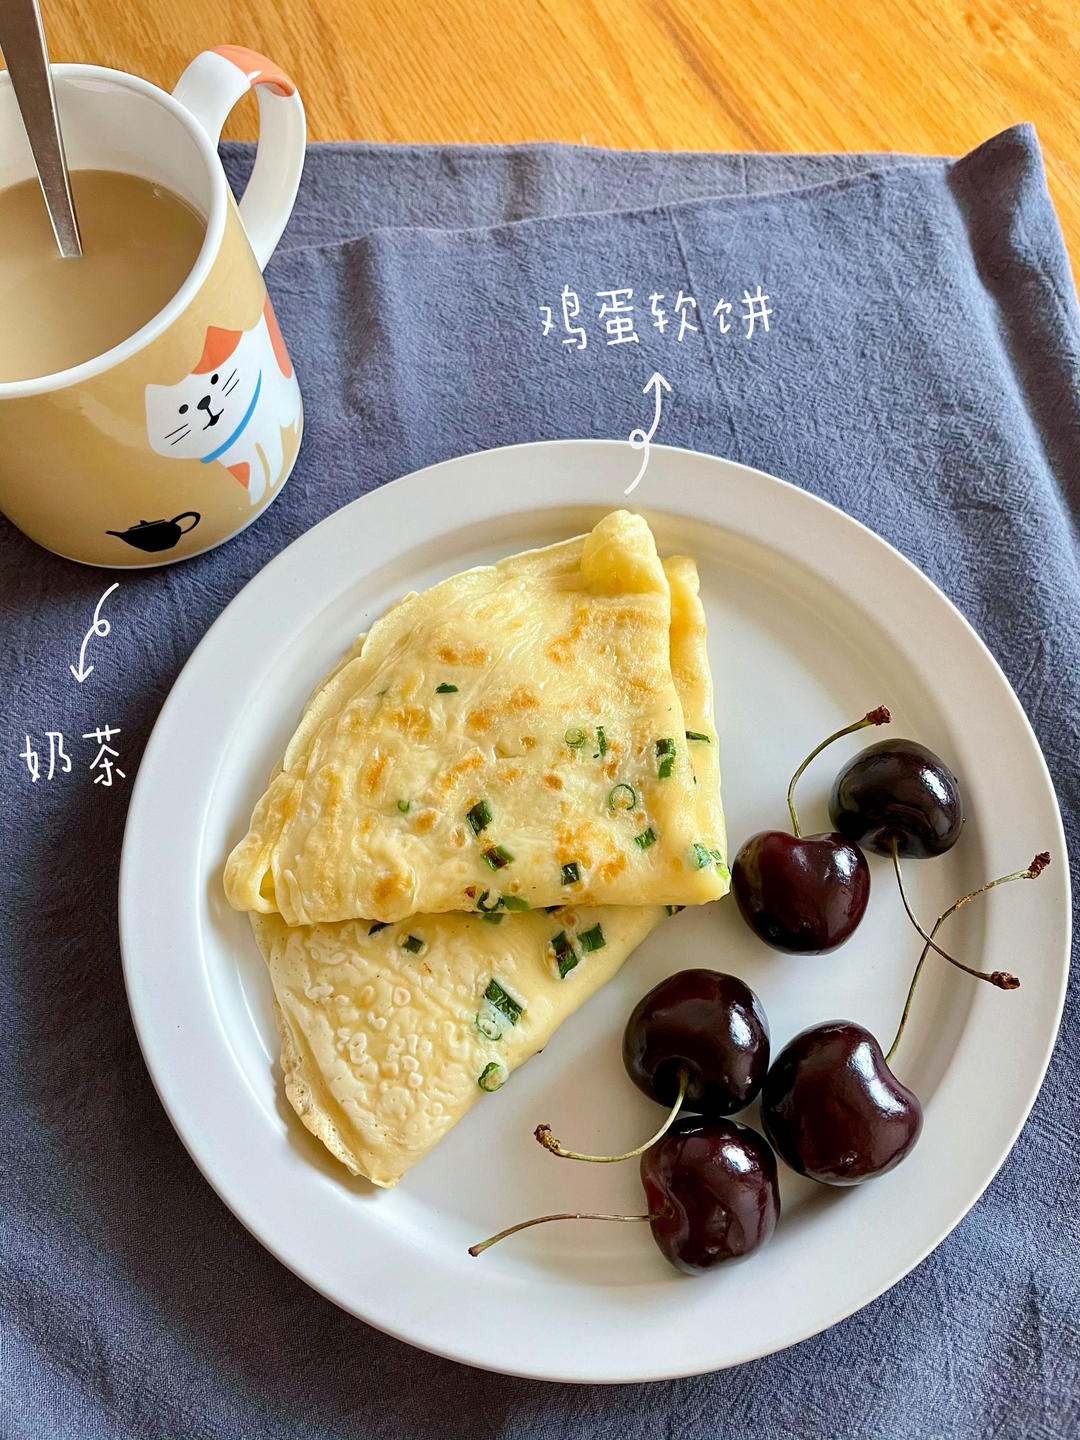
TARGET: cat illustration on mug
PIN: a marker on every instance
(233, 407)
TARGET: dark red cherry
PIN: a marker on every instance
(834, 1110)
(707, 1024)
(801, 893)
(898, 789)
(804, 893)
(712, 1191)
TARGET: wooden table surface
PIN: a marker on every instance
(912, 75)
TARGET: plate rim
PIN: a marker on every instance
(147, 775)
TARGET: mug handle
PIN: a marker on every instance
(210, 87)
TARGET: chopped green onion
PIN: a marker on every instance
(664, 769)
(665, 747)
(445, 689)
(623, 797)
(592, 939)
(504, 1003)
(488, 1025)
(725, 873)
(674, 909)
(412, 943)
(492, 917)
(700, 855)
(379, 925)
(479, 816)
(645, 839)
(717, 856)
(601, 739)
(496, 857)
(492, 1076)
(571, 873)
(514, 902)
(697, 735)
(488, 909)
(574, 737)
(404, 806)
(565, 954)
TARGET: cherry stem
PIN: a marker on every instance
(1001, 978)
(880, 716)
(545, 1137)
(998, 977)
(543, 1220)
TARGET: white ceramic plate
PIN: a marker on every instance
(812, 621)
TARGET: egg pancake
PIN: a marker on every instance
(516, 729)
(390, 1033)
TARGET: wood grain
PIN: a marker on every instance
(919, 75)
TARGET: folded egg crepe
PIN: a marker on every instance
(391, 1032)
(515, 731)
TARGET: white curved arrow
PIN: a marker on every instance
(640, 439)
(99, 627)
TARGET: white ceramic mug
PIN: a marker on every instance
(89, 463)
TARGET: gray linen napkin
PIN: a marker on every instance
(920, 369)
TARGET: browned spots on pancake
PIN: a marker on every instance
(592, 621)
(642, 617)
(560, 648)
(552, 781)
(389, 887)
(611, 766)
(330, 788)
(612, 867)
(464, 655)
(584, 841)
(493, 609)
(639, 684)
(411, 720)
(324, 894)
(458, 836)
(410, 685)
(528, 742)
(509, 773)
(372, 772)
(516, 703)
(287, 797)
(425, 820)
(473, 760)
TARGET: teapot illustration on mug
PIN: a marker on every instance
(157, 534)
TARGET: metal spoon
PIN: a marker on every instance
(22, 39)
